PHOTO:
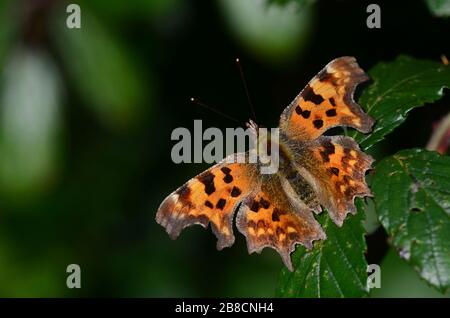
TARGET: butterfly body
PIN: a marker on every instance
(315, 171)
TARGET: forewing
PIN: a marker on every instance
(326, 102)
(209, 198)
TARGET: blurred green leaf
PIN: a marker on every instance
(102, 71)
(398, 87)
(335, 267)
(371, 223)
(116, 8)
(439, 8)
(8, 27)
(412, 198)
(275, 33)
(301, 3)
(29, 122)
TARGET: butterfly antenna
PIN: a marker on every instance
(200, 103)
(244, 83)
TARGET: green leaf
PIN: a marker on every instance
(335, 267)
(412, 196)
(439, 8)
(398, 87)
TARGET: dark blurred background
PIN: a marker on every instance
(86, 117)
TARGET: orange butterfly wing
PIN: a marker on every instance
(267, 216)
(274, 217)
(335, 166)
(326, 102)
(210, 197)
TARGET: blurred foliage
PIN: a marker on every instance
(102, 71)
(8, 28)
(440, 8)
(30, 118)
(371, 223)
(272, 32)
(301, 3)
(115, 9)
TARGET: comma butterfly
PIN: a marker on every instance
(315, 171)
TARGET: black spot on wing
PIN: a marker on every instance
(309, 95)
(225, 170)
(306, 113)
(334, 171)
(207, 179)
(228, 178)
(328, 149)
(332, 101)
(254, 206)
(276, 215)
(221, 204)
(209, 204)
(318, 123)
(324, 76)
(235, 192)
(264, 203)
(331, 112)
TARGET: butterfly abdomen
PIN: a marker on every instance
(287, 170)
(304, 190)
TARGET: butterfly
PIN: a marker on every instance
(315, 171)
